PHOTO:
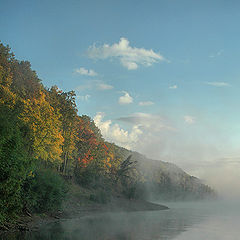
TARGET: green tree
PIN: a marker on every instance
(44, 191)
(7, 97)
(15, 162)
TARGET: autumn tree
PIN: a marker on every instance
(25, 82)
(64, 104)
(46, 129)
(92, 154)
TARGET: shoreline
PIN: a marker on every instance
(35, 221)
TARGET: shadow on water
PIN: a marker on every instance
(149, 225)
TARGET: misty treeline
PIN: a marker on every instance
(45, 144)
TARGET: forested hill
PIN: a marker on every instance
(44, 140)
(166, 181)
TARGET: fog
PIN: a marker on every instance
(120, 226)
(183, 221)
(200, 147)
(223, 175)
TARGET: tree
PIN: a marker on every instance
(46, 130)
(26, 83)
(15, 162)
(91, 153)
(64, 103)
(7, 97)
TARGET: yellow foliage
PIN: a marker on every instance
(46, 128)
(7, 97)
(31, 174)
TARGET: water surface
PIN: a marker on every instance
(183, 221)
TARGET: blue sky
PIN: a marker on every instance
(160, 77)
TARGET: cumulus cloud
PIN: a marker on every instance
(114, 133)
(218, 84)
(95, 84)
(84, 98)
(147, 103)
(129, 57)
(144, 130)
(173, 87)
(125, 99)
(86, 72)
(189, 119)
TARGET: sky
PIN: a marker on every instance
(159, 77)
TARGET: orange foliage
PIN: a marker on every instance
(91, 147)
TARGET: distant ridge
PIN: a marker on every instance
(166, 181)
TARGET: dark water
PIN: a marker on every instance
(184, 221)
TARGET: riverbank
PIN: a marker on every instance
(78, 204)
(35, 221)
(116, 205)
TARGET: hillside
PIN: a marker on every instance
(166, 181)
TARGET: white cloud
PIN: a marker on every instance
(147, 103)
(129, 57)
(189, 119)
(125, 99)
(129, 65)
(114, 133)
(104, 86)
(146, 131)
(84, 98)
(94, 84)
(86, 72)
(218, 84)
(173, 87)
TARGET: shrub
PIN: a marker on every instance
(45, 191)
(90, 176)
(134, 191)
(100, 196)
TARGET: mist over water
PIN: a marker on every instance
(183, 221)
(224, 177)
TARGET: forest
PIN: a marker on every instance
(46, 145)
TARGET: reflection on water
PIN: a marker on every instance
(180, 222)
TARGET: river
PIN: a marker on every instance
(183, 221)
